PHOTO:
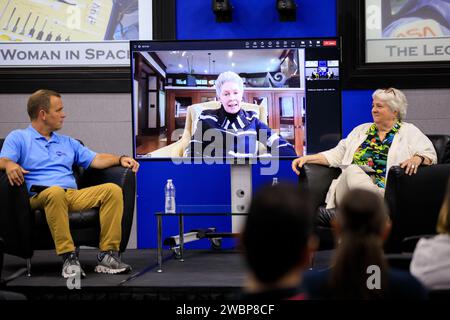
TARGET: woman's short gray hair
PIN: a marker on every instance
(228, 76)
(394, 98)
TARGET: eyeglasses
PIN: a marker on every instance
(390, 90)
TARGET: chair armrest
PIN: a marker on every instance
(124, 178)
(414, 201)
(316, 179)
(117, 174)
(16, 220)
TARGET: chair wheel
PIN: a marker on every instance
(216, 243)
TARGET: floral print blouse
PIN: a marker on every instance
(373, 152)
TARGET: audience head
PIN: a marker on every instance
(361, 225)
(278, 234)
(394, 98)
(362, 213)
(40, 100)
(443, 225)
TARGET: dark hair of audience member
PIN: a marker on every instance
(277, 230)
(443, 225)
(361, 220)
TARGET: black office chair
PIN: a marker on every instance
(24, 231)
(413, 201)
(439, 295)
(2, 249)
(316, 179)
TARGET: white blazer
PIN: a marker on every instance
(408, 141)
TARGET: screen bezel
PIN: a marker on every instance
(357, 74)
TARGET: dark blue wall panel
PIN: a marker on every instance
(255, 19)
(284, 174)
(356, 109)
(195, 184)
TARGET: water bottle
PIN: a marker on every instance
(169, 192)
(274, 181)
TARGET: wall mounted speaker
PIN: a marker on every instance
(287, 10)
(223, 10)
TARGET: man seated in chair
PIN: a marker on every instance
(231, 131)
(39, 156)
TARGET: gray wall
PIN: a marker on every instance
(101, 121)
(429, 110)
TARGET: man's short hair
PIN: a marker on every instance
(279, 225)
(40, 100)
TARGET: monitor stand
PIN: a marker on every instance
(241, 193)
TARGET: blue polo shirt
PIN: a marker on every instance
(49, 161)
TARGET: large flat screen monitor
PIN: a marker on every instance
(277, 98)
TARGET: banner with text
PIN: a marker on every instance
(408, 50)
(59, 54)
(50, 33)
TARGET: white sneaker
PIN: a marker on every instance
(72, 267)
(111, 264)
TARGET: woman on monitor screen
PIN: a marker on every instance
(370, 149)
(231, 131)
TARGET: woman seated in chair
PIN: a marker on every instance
(431, 259)
(375, 147)
(231, 131)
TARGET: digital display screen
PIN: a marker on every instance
(289, 104)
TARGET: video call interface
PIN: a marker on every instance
(290, 98)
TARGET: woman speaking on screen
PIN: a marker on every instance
(231, 131)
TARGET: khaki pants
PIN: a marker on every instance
(57, 203)
(353, 177)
